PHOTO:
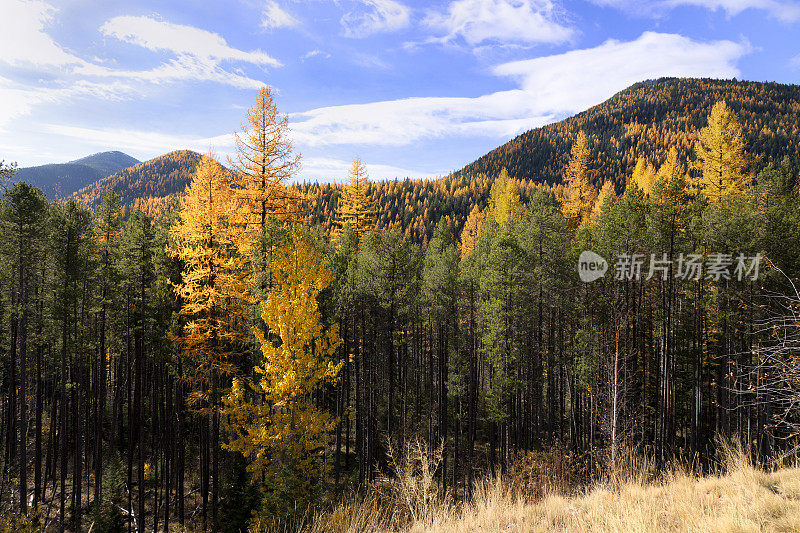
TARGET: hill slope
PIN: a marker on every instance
(146, 185)
(107, 163)
(61, 180)
(648, 118)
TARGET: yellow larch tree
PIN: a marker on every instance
(356, 207)
(211, 294)
(644, 175)
(473, 228)
(722, 159)
(580, 194)
(284, 434)
(606, 193)
(211, 290)
(504, 202)
(262, 167)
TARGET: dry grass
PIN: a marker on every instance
(740, 499)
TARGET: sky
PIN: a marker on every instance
(413, 88)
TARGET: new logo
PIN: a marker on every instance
(591, 266)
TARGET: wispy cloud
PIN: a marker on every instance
(182, 40)
(200, 54)
(25, 42)
(274, 16)
(784, 10)
(315, 53)
(479, 21)
(549, 87)
(17, 100)
(375, 16)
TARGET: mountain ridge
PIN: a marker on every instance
(61, 180)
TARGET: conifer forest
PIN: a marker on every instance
(250, 353)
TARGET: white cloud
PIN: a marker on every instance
(148, 144)
(18, 100)
(478, 21)
(273, 16)
(400, 122)
(578, 79)
(24, 40)
(315, 53)
(376, 16)
(795, 62)
(199, 53)
(182, 40)
(784, 10)
(550, 87)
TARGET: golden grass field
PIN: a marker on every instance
(740, 499)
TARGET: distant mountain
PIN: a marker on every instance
(647, 119)
(146, 184)
(61, 180)
(107, 162)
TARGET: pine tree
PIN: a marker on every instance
(356, 208)
(580, 193)
(285, 435)
(722, 159)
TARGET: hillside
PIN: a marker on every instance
(107, 163)
(61, 180)
(645, 119)
(146, 185)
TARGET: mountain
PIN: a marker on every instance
(647, 119)
(107, 163)
(146, 185)
(61, 180)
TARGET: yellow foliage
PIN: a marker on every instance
(580, 194)
(504, 200)
(606, 193)
(722, 159)
(644, 175)
(355, 205)
(210, 289)
(473, 229)
(284, 433)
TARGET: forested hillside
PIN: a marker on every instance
(647, 119)
(145, 186)
(61, 180)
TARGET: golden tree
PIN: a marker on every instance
(504, 200)
(722, 160)
(606, 193)
(285, 434)
(211, 291)
(644, 175)
(263, 165)
(356, 208)
(580, 194)
(473, 228)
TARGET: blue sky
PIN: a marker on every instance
(413, 88)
